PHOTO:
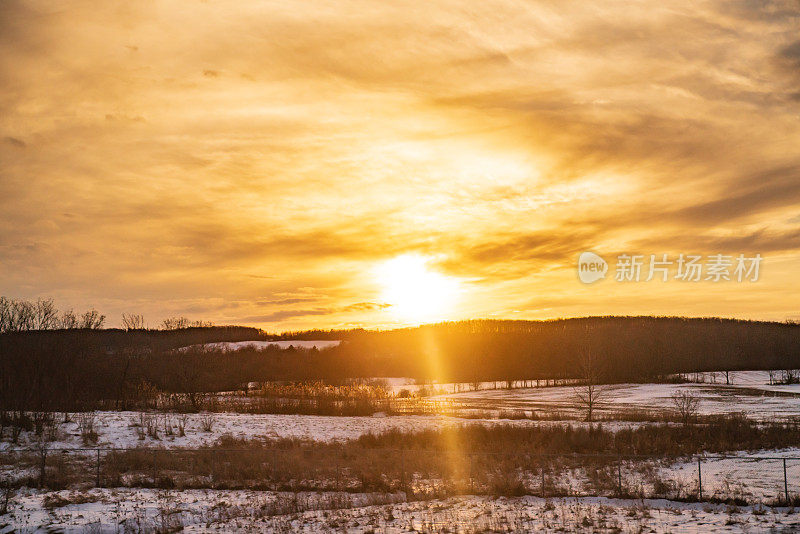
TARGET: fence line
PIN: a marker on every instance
(410, 470)
(409, 450)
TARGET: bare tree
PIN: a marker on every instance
(68, 320)
(5, 315)
(175, 323)
(92, 319)
(45, 315)
(133, 321)
(590, 393)
(23, 315)
(687, 404)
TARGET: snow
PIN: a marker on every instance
(749, 393)
(149, 510)
(121, 430)
(231, 346)
(531, 514)
(751, 476)
(110, 510)
(114, 510)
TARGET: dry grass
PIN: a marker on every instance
(501, 460)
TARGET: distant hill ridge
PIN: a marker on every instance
(78, 367)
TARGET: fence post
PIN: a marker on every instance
(471, 469)
(619, 476)
(699, 481)
(213, 466)
(275, 468)
(43, 466)
(544, 493)
(97, 471)
(155, 475)
(403, 471)
(785, 482)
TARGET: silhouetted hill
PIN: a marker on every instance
(59, 368)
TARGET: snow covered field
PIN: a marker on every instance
(749, 393)
(131, 509)
(530, 514)
(753, 476)
(145, 510)
(120, 430)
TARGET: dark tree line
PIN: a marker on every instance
(625, 348)
(69, 369)
(25, 315)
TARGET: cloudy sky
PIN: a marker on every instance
(263, 163)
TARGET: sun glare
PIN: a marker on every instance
(415, 292)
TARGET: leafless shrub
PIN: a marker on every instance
(139, 425)
(152, 427)
(687, 404)
(86, 422)
(6, 494)
(183, 421)
(507, 484)
(16, 430)
(169, 517)
(40, 421)
(207, 422)
(790, 376)
(167, 424)
(133, 321)
(42, 448)
(51, 431)
(147, 425)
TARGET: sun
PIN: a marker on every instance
(414, 292)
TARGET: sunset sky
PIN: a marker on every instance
(303, 164)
